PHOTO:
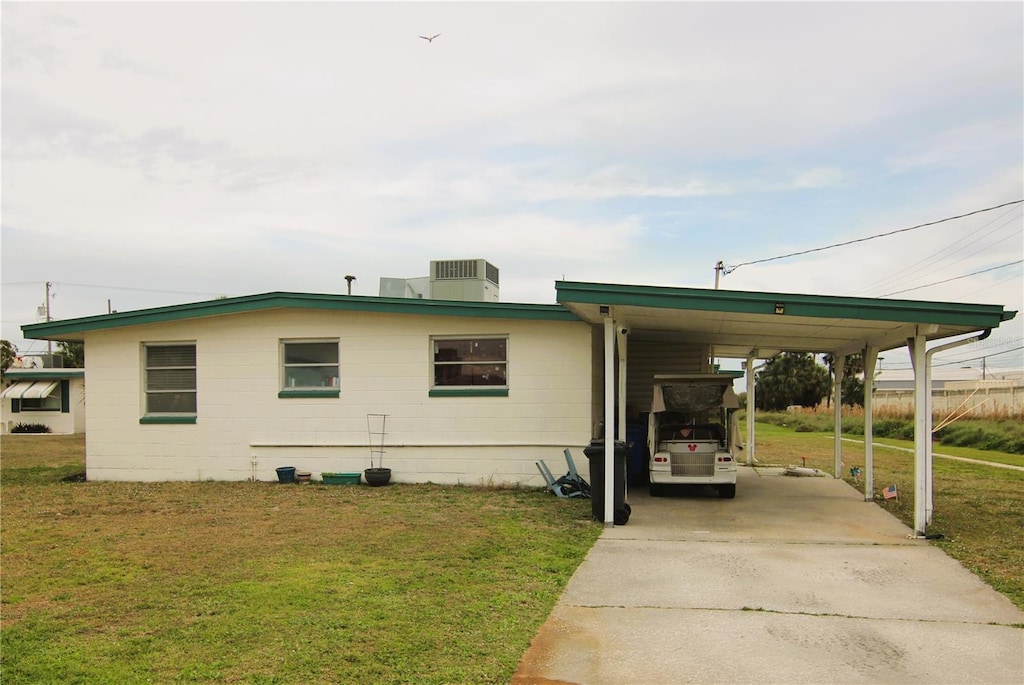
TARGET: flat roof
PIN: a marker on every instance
(73, 329)
(739, 324)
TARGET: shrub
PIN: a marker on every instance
(1003, 436)
(31, 428)
(899, 429)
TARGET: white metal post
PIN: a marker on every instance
(922, 434)
(839, 365)
(750, 409)
(620, 339)
(929, 505)
(929, 499)
(609, 421)
(870, 358)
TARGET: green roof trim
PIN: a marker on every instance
(71, 329)
(822, 306)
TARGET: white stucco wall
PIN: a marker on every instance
(244, 430)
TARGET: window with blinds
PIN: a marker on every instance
(170, 371)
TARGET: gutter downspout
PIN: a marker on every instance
(930, 459)
(923, 486)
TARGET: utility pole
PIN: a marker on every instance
(49, 343)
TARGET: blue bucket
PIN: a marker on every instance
(286, 474)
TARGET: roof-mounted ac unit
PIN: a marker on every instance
(469, 280)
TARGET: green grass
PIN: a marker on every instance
(979, 509)
(1004, 435)
(270, 583)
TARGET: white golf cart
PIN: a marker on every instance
(691, 431)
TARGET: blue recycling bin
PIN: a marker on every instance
(637, 469)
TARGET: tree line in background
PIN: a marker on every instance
(72, 354)
(798, 379)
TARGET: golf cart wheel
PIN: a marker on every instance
(727, 491)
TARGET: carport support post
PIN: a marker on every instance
(750, 409)
(609, 421)
(839, 366)
(620, 340)
(929, 458)
(870, 359)
(922, 432)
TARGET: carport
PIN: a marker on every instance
(752, 326)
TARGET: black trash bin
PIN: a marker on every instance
(595, 454)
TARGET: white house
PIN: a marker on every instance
(51, 397)
(475, 392)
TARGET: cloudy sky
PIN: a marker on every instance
(158, 153)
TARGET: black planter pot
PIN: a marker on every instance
(377, 476)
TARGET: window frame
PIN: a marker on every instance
(156, 417)
(290, 391)
(43, 402)
(489, 390)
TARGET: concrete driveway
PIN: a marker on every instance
(797, 580)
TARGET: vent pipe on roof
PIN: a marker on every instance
(349, 278)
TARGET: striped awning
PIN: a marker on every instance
(30, 390)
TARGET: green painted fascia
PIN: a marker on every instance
(70, 328)
(468, 392)
(820, 306)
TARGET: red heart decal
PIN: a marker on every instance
(693, 448)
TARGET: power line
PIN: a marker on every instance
(730, 269)
(959, 361)
(955, 278)
(115, 287)
(957, 247)
(984, 356)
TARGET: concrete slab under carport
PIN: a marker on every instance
(794, 580)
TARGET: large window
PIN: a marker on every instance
(310, 365)
(470, 362)
(170, 371)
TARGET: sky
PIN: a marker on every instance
(161, 153)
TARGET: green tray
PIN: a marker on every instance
(341, 478)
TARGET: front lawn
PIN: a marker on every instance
(271, 583)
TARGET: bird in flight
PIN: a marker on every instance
(430, 39)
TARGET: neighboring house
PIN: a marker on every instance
(953, 394)
(475, 392)
(52, 397)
